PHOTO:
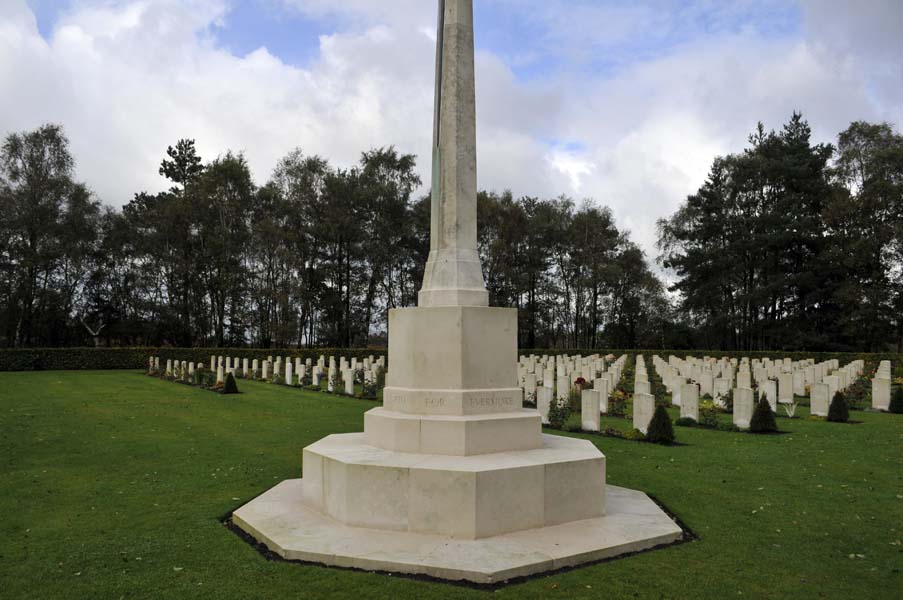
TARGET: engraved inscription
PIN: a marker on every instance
(497, 402)
(435, 402)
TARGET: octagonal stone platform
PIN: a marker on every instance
(465, 497)
(484, 518)
(281, 521)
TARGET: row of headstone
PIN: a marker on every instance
(551, 378)
(780, 381)
(289, 373)
(559, 372)
(279, 369)
(833, 379)
(643, 399)
(181, 371)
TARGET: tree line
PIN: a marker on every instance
(314, 257)
(794, 245)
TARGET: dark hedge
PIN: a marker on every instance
(54, 359)
(102, 359)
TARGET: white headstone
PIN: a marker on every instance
(819, 399)
(544, 396)
(589, 410)
(881, 393)
(689, 401)
(743, 407)
(643, 407)
(770, 389)
(348, 378)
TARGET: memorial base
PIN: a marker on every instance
(281, 521)
(484, 519)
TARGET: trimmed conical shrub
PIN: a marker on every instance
(762, 420)
(230, 387)
(896, 401)
(660, 431)
(839, 411)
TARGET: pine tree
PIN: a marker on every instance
(762, 420)
(660, 431)
(839, 411)
(230, 386)
(896, 401)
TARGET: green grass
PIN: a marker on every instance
(113, 484)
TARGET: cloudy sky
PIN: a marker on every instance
(624, 103)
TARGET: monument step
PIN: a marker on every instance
(280, 519)
(453, 435)
(464, 497)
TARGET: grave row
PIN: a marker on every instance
(338, 375)
(550, 378)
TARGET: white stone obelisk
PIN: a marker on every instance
(453, 276)
(453, 355)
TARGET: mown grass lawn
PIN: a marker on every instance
(113, 484)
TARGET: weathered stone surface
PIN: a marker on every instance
(469, 497)
(819, 399)
(453, 276)
(643, 407)
(881, 393)
(287, 526)
(689, 401)
(744, 404)
(590, 406)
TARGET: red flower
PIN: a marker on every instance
(580, 381)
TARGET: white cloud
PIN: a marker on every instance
(571, 165)
(128, 78)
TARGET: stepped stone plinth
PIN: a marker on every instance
(452, 477)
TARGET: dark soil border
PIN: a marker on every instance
(687, 537)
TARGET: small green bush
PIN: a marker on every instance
(708, 414)
(858, 394)
(728, 401)
(896, 401)
(763, 420)
(660, 428)
(208, 379)
(634, 434)
(686, 422)
(230, 387)
(369, 391)
(574, 396)
(559, 413)
(617, 407)
(839, 411)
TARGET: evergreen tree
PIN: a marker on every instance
(230, 386)
(839, 411)
(661, 430)
(763, 420)
(896, 401)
